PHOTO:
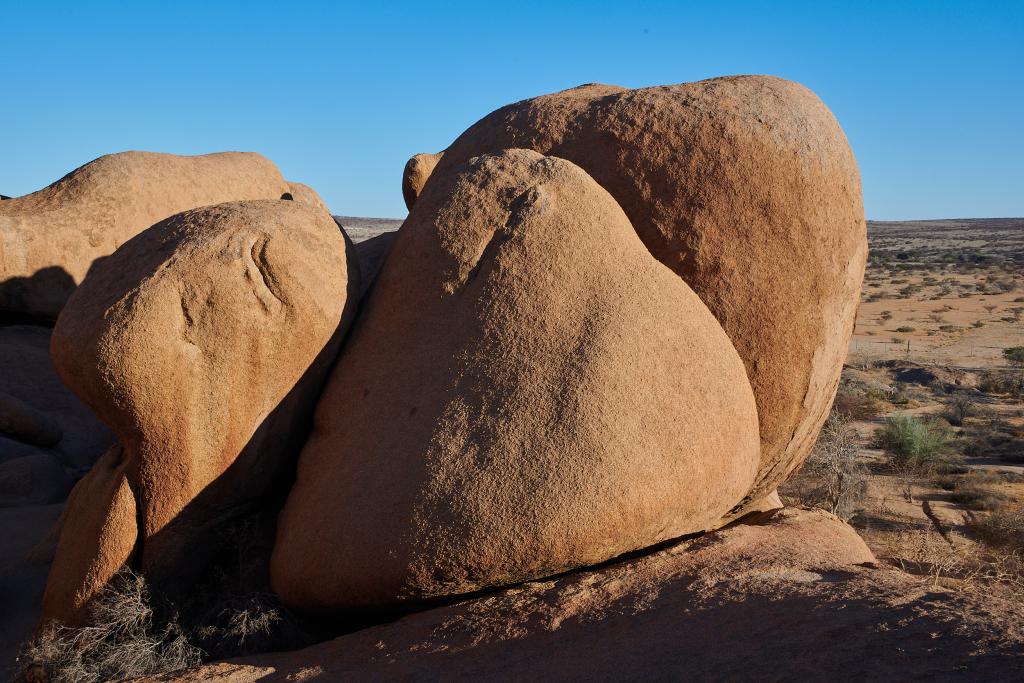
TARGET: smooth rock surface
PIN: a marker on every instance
(98, 535)
(526, 391)
(745, 187)
(304, 194)
(415, 174)
(51, 238)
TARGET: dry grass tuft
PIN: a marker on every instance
(120, 641)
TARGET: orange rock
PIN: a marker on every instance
(526, 391)
(747, 189)
(304, 194)
(415, 175)
(51, 238)
(98, 537)
(700, 609)
(203, 344)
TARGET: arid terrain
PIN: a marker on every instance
(942, 300)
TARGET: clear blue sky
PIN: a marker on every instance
(931, 94)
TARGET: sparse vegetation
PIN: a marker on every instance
(1014, 355)
(857, 404)
(1002, 382)
(833, 478)
(1003, 528)
(959, 408)
(914, 442)
(122, 641)
(979, 498)
(904, 328)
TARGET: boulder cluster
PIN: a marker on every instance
(612, 318)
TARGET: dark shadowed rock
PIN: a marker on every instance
(36, 479)
(27, 376)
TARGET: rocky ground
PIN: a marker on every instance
(791, 595)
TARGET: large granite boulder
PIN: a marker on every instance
(51, 238)
(203, 343)
(526, 391)
(747, 189)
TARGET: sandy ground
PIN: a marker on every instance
(939, 292)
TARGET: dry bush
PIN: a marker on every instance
(992, 437)
(231, 611)
(1002, 382)
(979, 498)
(957, 563)
(857, 404)
(242, 624)
(1003, 528)
(121, 641)
(958, 408)
(832, 478)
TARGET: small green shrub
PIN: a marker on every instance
(1014, 355)
(904, 328)
(919, 443)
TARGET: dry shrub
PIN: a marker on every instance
(1002, 382)
(959, 408)
(957, 563)
(858, 405)
(992, 437)
(1002, 528)
(242, 624)
(979, 498)
(832, 478)
(121, 641)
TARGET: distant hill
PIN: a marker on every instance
(360, 228)
(947, 223)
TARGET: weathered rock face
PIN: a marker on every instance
(49, 239)
(202, 343)
(415, 175)
(747, 189)
(526, 391)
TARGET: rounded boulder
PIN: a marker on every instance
(526, 391)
